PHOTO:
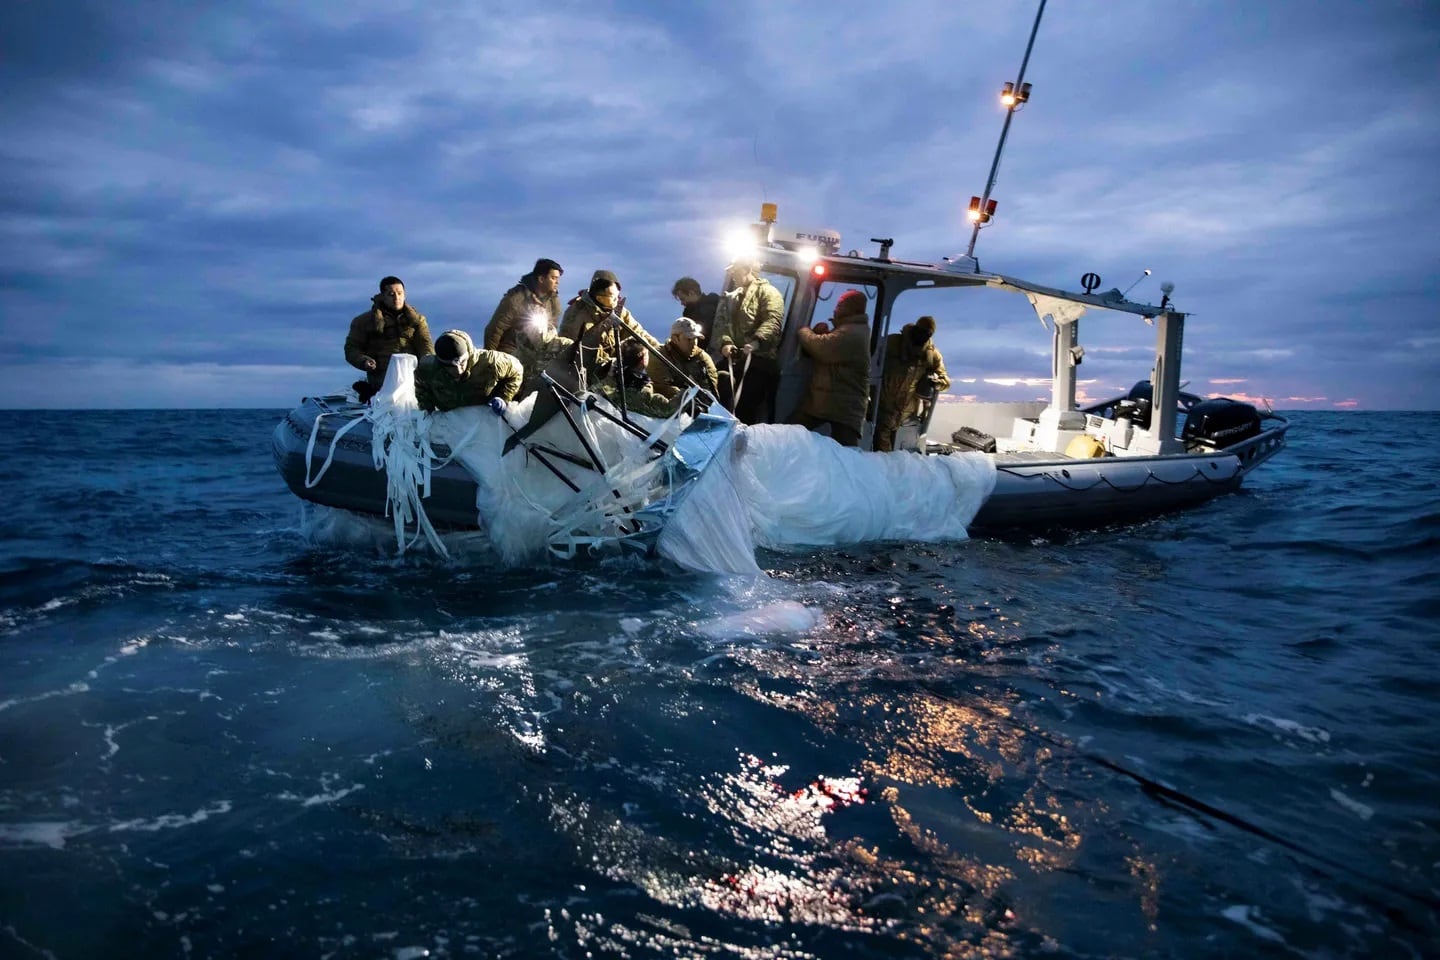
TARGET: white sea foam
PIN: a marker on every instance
(1361, 810)
(1247, 916)
(62, 692)
(1311, 734)
(320, 799)
(172, 821)
(782, 616)
(1185, 828)
(400, 645)
(40, 833)
(39, 951)
(134, 646)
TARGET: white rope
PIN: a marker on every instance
(739, 384)
(359, 417)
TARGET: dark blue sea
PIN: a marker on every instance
(222, 735)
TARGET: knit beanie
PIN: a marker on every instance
(449, 348)
(602, 279)
(852, 304)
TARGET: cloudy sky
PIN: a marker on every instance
(196, 198)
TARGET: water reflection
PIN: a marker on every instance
(977, 805)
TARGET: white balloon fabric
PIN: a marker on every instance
(794, 489)
(774, 486)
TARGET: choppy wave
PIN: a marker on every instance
(224, 725)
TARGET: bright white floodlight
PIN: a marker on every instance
(740, 243)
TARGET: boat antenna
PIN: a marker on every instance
(1137, 280)
(982, 208)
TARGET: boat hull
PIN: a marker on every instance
(1031, 490)
(1042, 490)
(352, 482)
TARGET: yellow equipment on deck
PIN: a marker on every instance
(1085, 448)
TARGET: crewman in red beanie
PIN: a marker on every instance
(840, 380)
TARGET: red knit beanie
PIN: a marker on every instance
(852, 304)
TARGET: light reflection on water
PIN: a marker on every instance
(212, 730)
(787, 844)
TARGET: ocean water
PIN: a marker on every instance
(230, 730)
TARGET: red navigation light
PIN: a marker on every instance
(818, 269)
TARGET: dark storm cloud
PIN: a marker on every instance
(210, 193)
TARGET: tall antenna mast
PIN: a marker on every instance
(1012, 96)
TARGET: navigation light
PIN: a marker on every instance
(1010, 98)
(818, 270)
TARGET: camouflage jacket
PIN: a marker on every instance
(536, 358)
(483, 374)
(380, 335)
(753, 313)
(518, 307)
(698, 367)
(587, 322)
(905, 366)
(642, 400)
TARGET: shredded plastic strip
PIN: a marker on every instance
(400, 445)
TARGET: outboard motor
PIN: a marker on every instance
(1136, 411)
(1219, 423)
(1136, 407)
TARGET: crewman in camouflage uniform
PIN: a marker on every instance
(685, 356)
(748, 324)
(840, 380)
(911, 361)
(535, 299)
(640, 395)
(459, 375)
(389, 327)
(587, 321)
(536, 348)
